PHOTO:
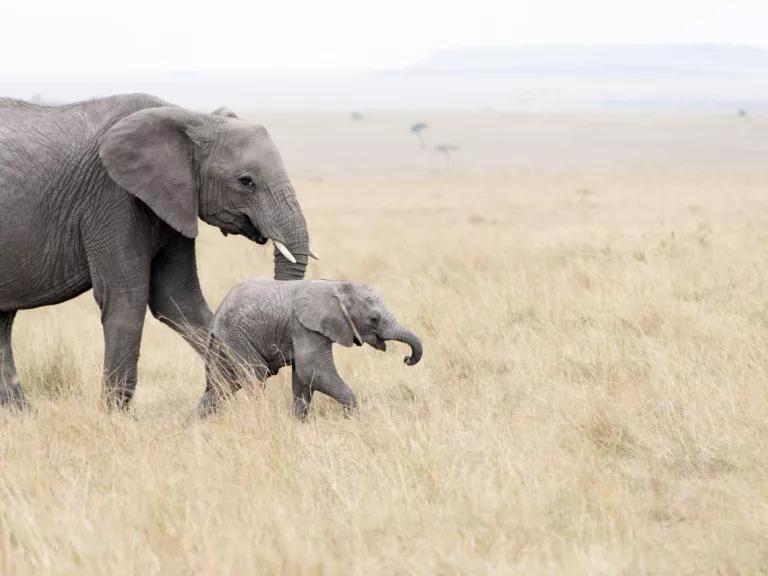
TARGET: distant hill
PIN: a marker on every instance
(670, 58)
(719, 79)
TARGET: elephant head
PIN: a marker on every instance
(184, 165)
(350, 313)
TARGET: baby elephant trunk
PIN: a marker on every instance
(402, 334)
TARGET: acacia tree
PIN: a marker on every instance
(417, 129)
(447, 150)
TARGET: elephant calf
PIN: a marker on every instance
(263, 325)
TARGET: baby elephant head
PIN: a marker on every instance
(349, 313)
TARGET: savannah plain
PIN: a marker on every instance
(592, 294)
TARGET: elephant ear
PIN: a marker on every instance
(323, 307)
(149, 153)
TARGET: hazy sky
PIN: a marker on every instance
(81, 36)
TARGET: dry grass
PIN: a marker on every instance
(593, 397)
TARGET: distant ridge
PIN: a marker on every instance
(668, 78)
(621, 59)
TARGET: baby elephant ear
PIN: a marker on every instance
(323, 307)
(149, 153)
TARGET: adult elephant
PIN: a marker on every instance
(105, 194)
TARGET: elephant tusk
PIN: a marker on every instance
(284, 251)
(313, 255)
(356, 338)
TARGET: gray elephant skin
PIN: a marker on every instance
(263, 325)
(106, 194)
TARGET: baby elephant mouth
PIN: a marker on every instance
(378, 343)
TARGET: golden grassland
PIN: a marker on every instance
(593, 399)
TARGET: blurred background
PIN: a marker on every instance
(413, 89)
(347, 56)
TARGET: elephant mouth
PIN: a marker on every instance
(378, 343)
(253, 233)
(244, 227)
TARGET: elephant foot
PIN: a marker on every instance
(208, 404)
(300, 409)
(118, 398)
(349, 409)
(12, 396)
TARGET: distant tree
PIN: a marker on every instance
(742, 113)
(417, 129)
(356, 117)
(447, 150)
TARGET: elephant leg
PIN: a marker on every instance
(11, 393)
(121, 289)
(220, 380)
(122, 319)
(227, 367)
(209, 403)
(316, 369)
(302, 395)
(175, 297)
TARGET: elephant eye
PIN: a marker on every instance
(373, 320)
(246, 181)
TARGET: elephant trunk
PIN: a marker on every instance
(287, 270)
(291, 241)
(401, 334)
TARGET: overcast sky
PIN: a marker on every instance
(66, 37)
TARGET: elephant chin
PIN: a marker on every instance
(240, 226)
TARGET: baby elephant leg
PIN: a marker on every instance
(302, 395)
(216, 390)
(227, 368)
(208, 404)
(323, 377)
(337, 389)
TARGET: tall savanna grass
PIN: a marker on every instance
(592, 398)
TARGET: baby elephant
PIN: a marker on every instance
(263, 325)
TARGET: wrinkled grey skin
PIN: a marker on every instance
(106, 194)
(263, 325)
